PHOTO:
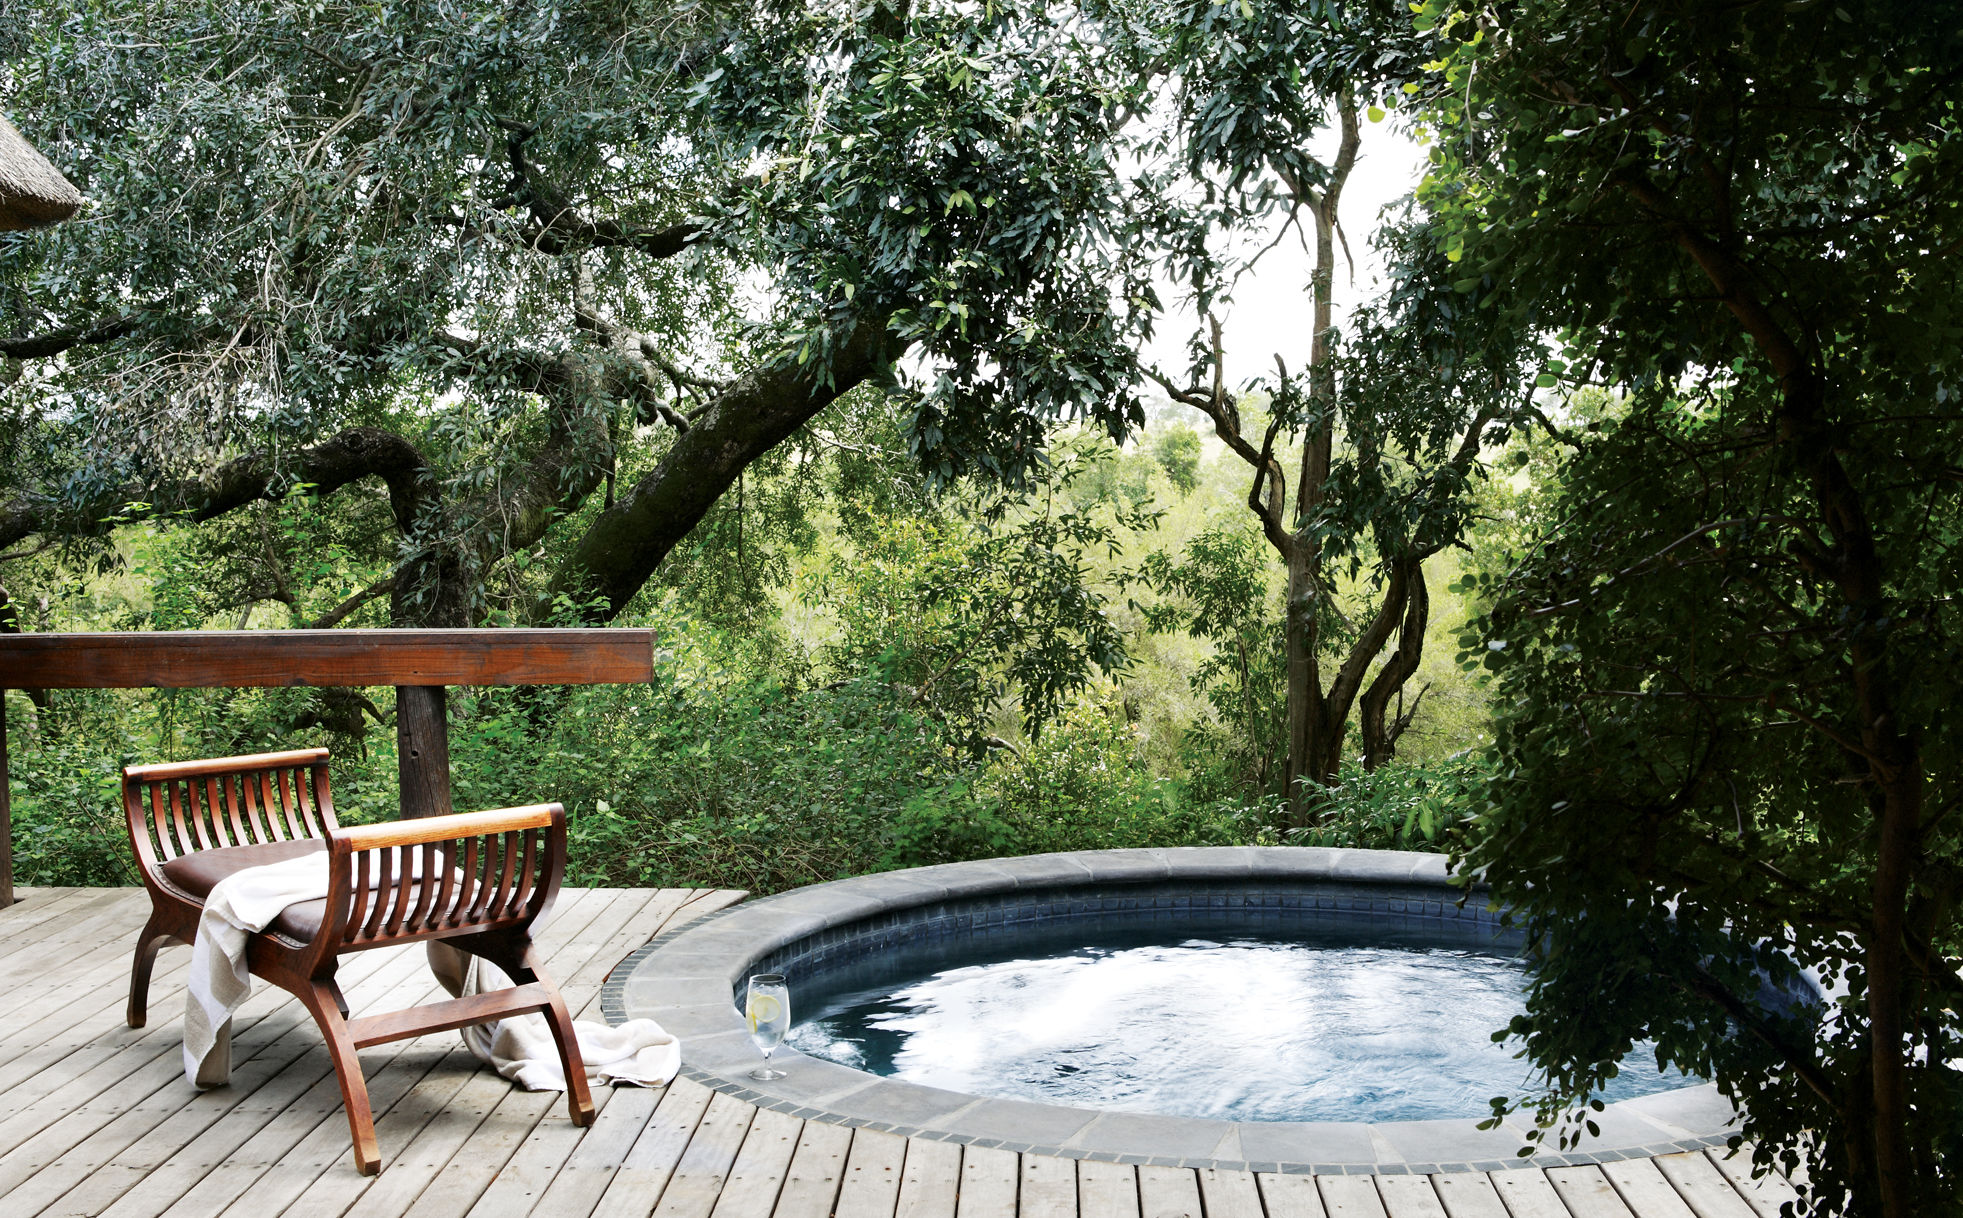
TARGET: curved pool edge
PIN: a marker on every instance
(687, 980)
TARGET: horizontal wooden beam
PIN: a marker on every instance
(198, 659)
(443, 1016)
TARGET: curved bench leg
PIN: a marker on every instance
(518, 957)
(321, 999)
(579, 1098)
(152, 938)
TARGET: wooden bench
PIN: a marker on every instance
(479, 880)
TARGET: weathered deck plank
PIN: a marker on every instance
(1410, 1197)
(988, 1182)
(758, 1175)
(1351, 1197)
(1587, 1192)
(931, 1186)
(1469, 1194)
(1049, 1187)
(1230, 1194)
(1291, 1196)
(1107, 1190)
(96, 1118)
(816, 1172)
(1169, 1192)
(1764, 1194)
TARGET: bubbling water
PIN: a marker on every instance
(1245, 1029)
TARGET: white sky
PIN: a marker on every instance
(1270, 313)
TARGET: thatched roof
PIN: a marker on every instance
(32, 192)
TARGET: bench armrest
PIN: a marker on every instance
(456, 825)
(438, 876)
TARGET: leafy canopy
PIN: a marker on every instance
(1726, 670)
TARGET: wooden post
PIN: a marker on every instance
(6, 814)
(422, 741)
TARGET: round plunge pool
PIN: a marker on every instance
(1265, 1008)
(1326, 1023)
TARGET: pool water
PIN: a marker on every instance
(1243, 1028)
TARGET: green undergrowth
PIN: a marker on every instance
(715, 774)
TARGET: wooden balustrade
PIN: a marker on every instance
(420, 664)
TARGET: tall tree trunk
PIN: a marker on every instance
(1888, 749)
(1315, 736)
(1306, 729)
(1379, 730)
(1317, 718)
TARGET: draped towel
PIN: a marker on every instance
(519, 1048)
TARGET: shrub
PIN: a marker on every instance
(1399, 806)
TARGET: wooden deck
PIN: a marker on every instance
(96, 1118)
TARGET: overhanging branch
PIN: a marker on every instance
(625, 543)
(356, 453)
(54, 342)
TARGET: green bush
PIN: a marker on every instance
(68, 821)
(1398, 806)
(1082, 785)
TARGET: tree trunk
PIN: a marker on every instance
(422, 733)
(1307, 746)
(1380, 731)
(1887, 748)
(1315, 744)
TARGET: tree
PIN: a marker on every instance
(1726, 675)
(497, 262)
(1177, 450)
(1384, 426)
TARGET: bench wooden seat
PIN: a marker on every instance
(479, 880)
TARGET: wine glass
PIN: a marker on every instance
(768, 1012)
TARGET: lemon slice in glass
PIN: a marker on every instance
(763, 1009)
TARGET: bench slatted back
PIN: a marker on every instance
(183, 807)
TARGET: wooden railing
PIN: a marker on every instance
(420, 664)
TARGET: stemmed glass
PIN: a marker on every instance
(768, 1011)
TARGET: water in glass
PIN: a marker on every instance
(768, 1012)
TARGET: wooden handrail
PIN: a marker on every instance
(420, 664)
(202, 659)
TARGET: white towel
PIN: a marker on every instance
(240, 905)
(520, 1049)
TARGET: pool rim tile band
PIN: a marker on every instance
(688, 980)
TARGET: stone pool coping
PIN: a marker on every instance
(687, 981)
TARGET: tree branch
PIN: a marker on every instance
(624, 544)
(341, 612)
(54, 342)
(358, 452)
(561, 228)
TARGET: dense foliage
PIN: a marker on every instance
(810, 337)
(586, 260)
(1725, 740)
(908, 685)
